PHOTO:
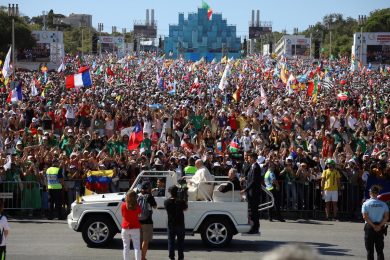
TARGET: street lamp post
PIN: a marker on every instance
(330, 38)
(361, 20)
(13, 11)
(311, 37)
(100, 29)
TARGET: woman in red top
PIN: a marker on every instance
(130, 225)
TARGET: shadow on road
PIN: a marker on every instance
(311, 222)
(192, 244)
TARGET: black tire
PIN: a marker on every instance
(216, 232)
(98, 231)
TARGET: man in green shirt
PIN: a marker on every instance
(146, 144)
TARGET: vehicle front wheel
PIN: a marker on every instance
(217, 232)
(98, 231)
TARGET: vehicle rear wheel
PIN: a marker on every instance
(98, 231)
(217, 232)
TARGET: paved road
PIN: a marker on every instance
(47, 240)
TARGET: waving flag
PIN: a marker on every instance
(16, 93)
(315, 92)
(263, 97)
(109, 71)
(136, 137)
(237, 94)
(290, 82)
(98, 181)
(61, 68)
(34, 91)
(209, 10)
(283, 75)
(7, 69)
(342, 96)
(173, 90)
(234, 147)
(223, 81)
(78, 80)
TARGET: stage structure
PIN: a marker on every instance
(145, 32)
(371, 48)
(257, 32)
(200, 37)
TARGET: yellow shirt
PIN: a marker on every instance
(331, 178)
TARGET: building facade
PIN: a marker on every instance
(198, 37)
(75, 20)
(293, 45)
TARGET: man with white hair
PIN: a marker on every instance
(198, 185)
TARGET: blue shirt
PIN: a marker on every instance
(376, 209)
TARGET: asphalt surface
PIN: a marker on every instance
(33, 239)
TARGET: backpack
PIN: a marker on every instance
(145, 207)
(182, 193)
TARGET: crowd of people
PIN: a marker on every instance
(294, 114)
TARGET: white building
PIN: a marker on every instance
(293, 45)
(371, 48)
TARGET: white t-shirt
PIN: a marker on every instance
(3, 226)
(351, 122)
(335, 122)
(246, 143)
(70, 111)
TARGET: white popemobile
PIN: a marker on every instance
(217, 217)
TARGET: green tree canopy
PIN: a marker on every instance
(23, 37)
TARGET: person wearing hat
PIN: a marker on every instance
(375, 214)
(330, 184)
(146, 201)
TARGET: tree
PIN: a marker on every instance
(50, 18)
(23, 37)
(378, 21)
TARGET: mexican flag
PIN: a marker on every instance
(209, 10)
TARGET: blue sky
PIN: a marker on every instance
(284, 14)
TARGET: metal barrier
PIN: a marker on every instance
(297, 199)
(304, 199)
(24, 195)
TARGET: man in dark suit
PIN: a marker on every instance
(253, 192)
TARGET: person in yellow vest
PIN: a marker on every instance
(330, 184)
(55, 183)
(190, 169)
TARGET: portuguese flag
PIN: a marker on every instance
(209, 10)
